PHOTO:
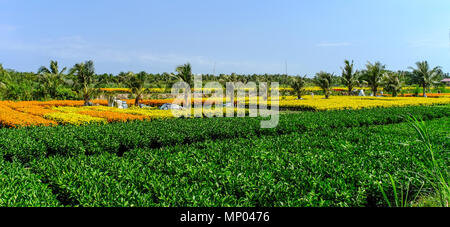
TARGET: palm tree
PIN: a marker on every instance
(234, 77)
(84, 80)
(324, 81)
(223, 79)
(392, 82)
(373, 75)
(298, 84)
(51, 78)
(349, 76)
(105, 80)
(4, 78)
(3, 75)
(136, 83)
(184, 73)
(243, 79)
(424, 75)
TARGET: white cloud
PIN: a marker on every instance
(76, 48)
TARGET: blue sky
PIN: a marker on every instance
(242, 36)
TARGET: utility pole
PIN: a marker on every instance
(285, 62)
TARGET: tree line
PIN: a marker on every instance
(81, 81)
(375, 76)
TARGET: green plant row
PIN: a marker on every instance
(20, 187)
(336, 167)
(39, 142)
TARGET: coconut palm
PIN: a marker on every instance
(243, 79)
(51, 78)
(83, 76)
(3, 75)
(184, 73)
(298, 84)
(223, 79)
(424, 75)
(393, 82)
(234, 77)
(4, 78)
(349, 76)
(106, 80)
(136, 83)
(373, 75)
(324, 80)
(164, 82)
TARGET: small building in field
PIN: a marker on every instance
(446, 81)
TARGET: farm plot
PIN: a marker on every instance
(336, 158)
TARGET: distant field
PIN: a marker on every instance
(311, 88)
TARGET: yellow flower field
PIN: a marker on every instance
(73, 118)
(149, 113)
(310, 89)
(22, 114)
(356, 102)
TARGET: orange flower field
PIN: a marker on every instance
(49, 113)
(67, 112)
(12, 118)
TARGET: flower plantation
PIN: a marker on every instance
(19, 114)
(34, 113)
(324, 152)
(226, 105)
(329, 158)
(355, 102)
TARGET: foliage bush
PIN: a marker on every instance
(121, 137)
(21, 188)
(341, 167)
